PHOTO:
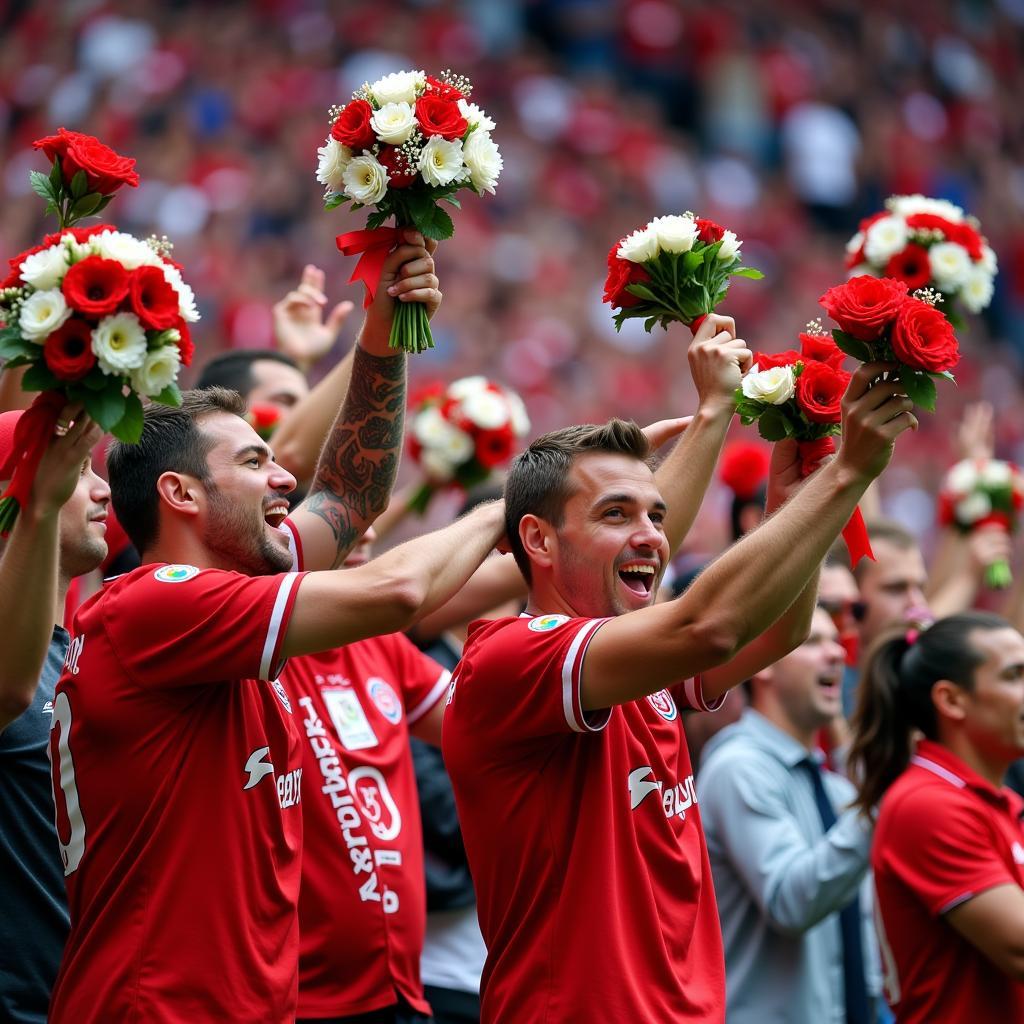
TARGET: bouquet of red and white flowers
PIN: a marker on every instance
(674, 269)
(879, 321)
(264, 418)
(927, 243)
(983, 492)
(402, 145)
(93, 314)
(460, 434)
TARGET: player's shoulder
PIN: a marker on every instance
(920, 802)
(518, 628)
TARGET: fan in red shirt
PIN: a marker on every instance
(948, 854)
(563, 735)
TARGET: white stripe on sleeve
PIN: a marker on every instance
(428, 702)
(276, 618)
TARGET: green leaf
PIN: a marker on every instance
(11, 364)
(41, 186)
(169, 396)
(691, 261)
(376, 219)
(79, 185)
(747, 272)
(106, 407)
(852, 346)
(452, 201)
(12, 346)
(643, 292)
(436, 225)
(129, 427)
(334, 200)
(920, 388)
(96, 380)
(772, 425)
(56, 177)
(104, 203)
(38, 378)
(85, 207)
(946, 375)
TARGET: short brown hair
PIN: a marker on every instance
(538, 480)
(171, 442)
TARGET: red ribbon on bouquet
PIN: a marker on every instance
(855, 533)
(375, 245)
(695, 326)
(32, 434)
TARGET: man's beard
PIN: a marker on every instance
(242, 541)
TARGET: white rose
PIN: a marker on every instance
(486, 409)
(976, 291)
(441, 161)
(996, 473)
(119, 344)
(125, 249)
(772, 386)
(159, 368)
(429, 426)
(399, 87)
(963, 477)
(730, 249)
(949, 264)
(459, 389)
(640, 246)
(972, 508)
(46, 269)
(988, 259)
(456, 446)
(905, 206)
(186, 297)
(436, 466)
(475, 116)
(884, 239)
(333, 158)
(673, 233)
(483, 160)
(394, 122)
(520, 417)
(365, 180)
(41, 314)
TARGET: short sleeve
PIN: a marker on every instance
(690, 694)
(945, 856)
(423, 681)
(179, 626)
(523, 680)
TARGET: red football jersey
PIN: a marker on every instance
(944, 835)
(583, 836)
(177, 771)
(362, 910)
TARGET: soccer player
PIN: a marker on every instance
(58, 535)
(562, 731)
(178, 753)
(948, 856)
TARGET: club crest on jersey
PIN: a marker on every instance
(663, 703)
(385, 698)
(282, 696)
(175, 573)
(545, 623)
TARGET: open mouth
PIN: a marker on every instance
(276, 515)
(831, 684)
(638, 577)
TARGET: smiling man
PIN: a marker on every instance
(562, 733)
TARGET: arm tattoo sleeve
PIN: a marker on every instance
(359, 462)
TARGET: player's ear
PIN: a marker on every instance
(180, 492)
(538, 539)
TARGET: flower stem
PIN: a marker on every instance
(998, 575)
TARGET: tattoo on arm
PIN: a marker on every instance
(359, 462)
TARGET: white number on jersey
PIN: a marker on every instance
(67, 797)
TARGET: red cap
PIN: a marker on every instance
(8, 421)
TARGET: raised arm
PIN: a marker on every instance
(745, 591)
(357, 467)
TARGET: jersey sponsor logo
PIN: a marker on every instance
(378, 806)
(545, 623)
(383, 695)
(257, 768)
(1018, 853)
(175, 573)
(675, 801)
(663, 703)
(282, 696)
(74, 653)
(349, 718)
(289, 788)
(48, 708)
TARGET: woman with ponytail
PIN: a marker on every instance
(939, 719)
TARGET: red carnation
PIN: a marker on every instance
(819, 392)
(445, 91)
(68, 351)
(865, 306)
(931, 222)
(911, 266)
(264, 418)
(923, 339)
(185, 347)
(708, 231)
(767, 361)
(352, 127)
(440, 117)
(153, 299)
(401, 174)
(493, 447)
(95, 286)
(105, 170)
(432, 392)
(620, 274)
(966, 236)
(822, 349)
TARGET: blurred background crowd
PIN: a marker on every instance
(785, 120)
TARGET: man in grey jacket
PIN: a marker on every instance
(788, 858)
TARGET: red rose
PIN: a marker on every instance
(931, 222)
(401, 174)
(105, 170)
(440, 117)
(153, 299)
(923, 339)
(766, 361)
(95, 286)
(966, 236)
(822, 349)
(819, 392)
(865, 306)
(185, 346)
(911, 266)
(620, 274)
(264, 418)
(432, 392)
(352, 127)
(436, 87)
(874, 218)
(493, 447)
(68, 351)
(708, 231)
